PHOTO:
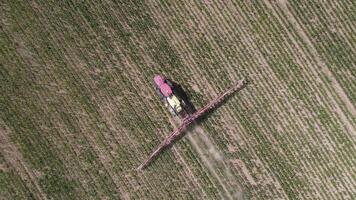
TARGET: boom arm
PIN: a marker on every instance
(189, 119)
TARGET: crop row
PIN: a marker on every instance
(85, 71)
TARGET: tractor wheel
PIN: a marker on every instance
(171, 110)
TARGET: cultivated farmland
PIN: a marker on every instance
(78, 113)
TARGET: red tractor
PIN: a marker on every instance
(167, 93)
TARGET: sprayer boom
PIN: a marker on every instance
(189, 119)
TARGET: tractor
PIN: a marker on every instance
(167, 93)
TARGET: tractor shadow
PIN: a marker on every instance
(179, 91)
(190, 108)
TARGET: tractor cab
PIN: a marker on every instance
(165, 90)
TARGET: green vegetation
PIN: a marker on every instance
(78, 112)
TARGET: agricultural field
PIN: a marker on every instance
(78, 112)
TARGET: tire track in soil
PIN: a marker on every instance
(325, 157)
(207, 87)
(103, 158)
(320, 102)
(301, 64)
(103, 113)
(90, 87)
(142, 155)
(327, 16)
(337, 87)
(135, 73)
(236, 162)
(14, 157)
(187, 171)
(189, 59)
(61, 127)
(207, 25)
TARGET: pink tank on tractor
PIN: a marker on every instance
(166, 92)
(163, 87)
(158, 79)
